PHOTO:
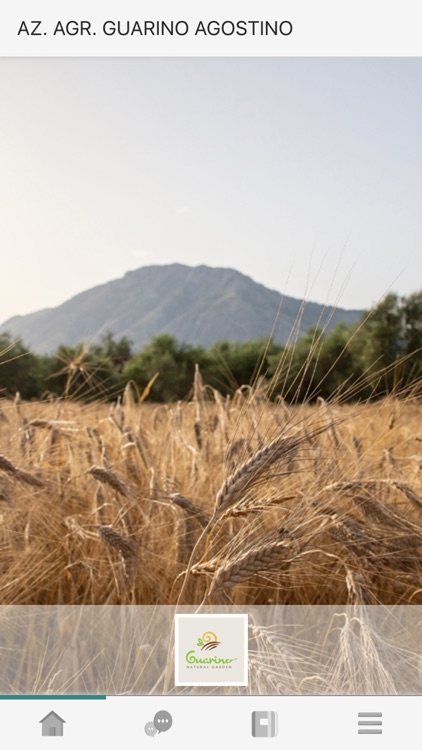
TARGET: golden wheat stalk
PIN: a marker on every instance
(264, 557)
(125, 546)
(235, 485)
(105, 476)
(22, 476)
(191, 509)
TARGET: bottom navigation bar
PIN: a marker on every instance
(189, 720)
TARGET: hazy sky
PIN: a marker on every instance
(294, 171)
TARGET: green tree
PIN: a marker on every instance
(302, 370)
(82, 372)
(118, 352)
(232, 364)
(412, 324)
(19, 369)
(391, 342)
(174, 363)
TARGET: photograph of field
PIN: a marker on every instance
(211, 370)
(210, 333)
(235, 500)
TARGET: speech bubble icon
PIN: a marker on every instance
(163, 721)
(150, 729)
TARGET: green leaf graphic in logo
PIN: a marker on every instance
(200, 642)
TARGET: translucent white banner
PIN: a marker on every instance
(129, 650)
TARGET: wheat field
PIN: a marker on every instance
(211, 501)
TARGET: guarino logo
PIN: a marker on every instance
(211, 659)
(208, 642)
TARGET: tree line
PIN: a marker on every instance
(381, 353)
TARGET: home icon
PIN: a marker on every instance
(52, 725)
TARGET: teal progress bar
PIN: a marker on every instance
(52, 697)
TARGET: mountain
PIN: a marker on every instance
(197, 305)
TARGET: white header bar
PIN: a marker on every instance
(85, 28)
